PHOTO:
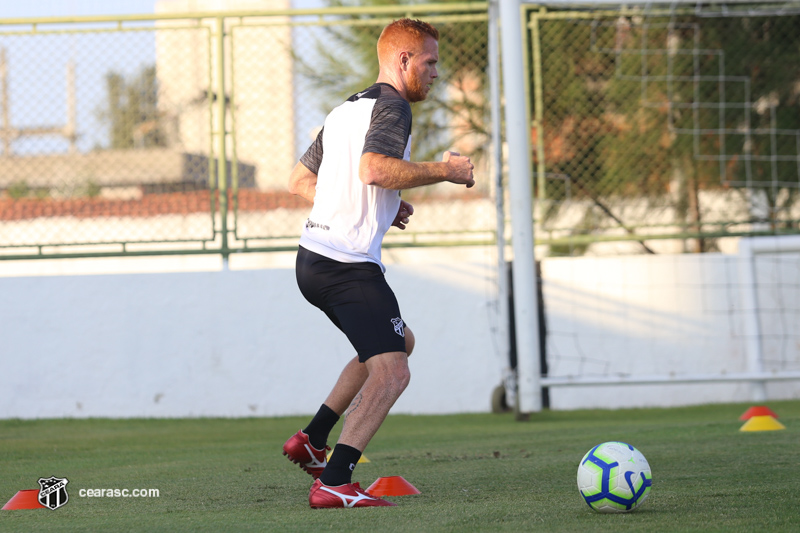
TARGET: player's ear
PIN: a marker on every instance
(405, 60)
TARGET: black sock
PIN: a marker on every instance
(340, 468)
(320, 426)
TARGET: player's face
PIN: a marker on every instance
(422, 71)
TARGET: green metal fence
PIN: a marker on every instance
(668, 121)
(176, 132)
(666, 127)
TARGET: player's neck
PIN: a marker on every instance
(397, 84)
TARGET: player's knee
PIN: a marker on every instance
(391, 372)
(410, 340)
(400, 377)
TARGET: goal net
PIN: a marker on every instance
(676, 329)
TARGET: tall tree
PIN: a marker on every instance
(131, 110)
(635, 105)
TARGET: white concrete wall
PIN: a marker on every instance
(231, 343)
(150, 342)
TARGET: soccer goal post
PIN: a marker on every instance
(521, 207)
(753, 306)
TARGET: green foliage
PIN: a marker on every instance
(92, 189)
(18, 189)
(661, 109)
(131, 110)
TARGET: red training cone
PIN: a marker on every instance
(24, 499)
(757, 410)
(392, 486)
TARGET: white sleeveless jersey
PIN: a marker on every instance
(349, 219)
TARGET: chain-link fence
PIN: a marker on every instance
(665, 120)
(114, 130)
(662, 125)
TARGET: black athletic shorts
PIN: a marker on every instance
(356, 298)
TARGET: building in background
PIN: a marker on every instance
(258, 84)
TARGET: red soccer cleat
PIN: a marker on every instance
(300, 451)
(343, 497)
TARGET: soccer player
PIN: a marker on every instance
(353, 173)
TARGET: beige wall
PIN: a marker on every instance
(259, 78)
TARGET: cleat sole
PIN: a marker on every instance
(301, 442)
(314, 475)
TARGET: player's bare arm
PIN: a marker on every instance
(393, 173)
(303, 182)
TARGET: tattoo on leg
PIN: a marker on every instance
(353, 405)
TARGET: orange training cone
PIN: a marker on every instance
(757, 410)
(24, 499)
(761, 423)
(392, 486)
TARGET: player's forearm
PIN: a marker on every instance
(303, 182)
(392, 173)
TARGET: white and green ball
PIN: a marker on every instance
(614, 477)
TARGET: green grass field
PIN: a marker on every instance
(475, 473)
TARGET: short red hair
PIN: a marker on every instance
(408, 34)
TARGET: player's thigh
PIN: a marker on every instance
(357, 299)
(369, 315)
(317, 278)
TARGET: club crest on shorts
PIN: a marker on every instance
(53, 492)
(398, 326)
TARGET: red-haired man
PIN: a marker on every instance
(353, 173)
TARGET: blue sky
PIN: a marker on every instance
(60, 8)
(37, 68)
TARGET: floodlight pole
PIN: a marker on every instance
(521, 203)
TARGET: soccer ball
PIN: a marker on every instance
(614, 477)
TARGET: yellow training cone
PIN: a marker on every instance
(762, 423)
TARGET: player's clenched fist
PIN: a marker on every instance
(460, 168)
